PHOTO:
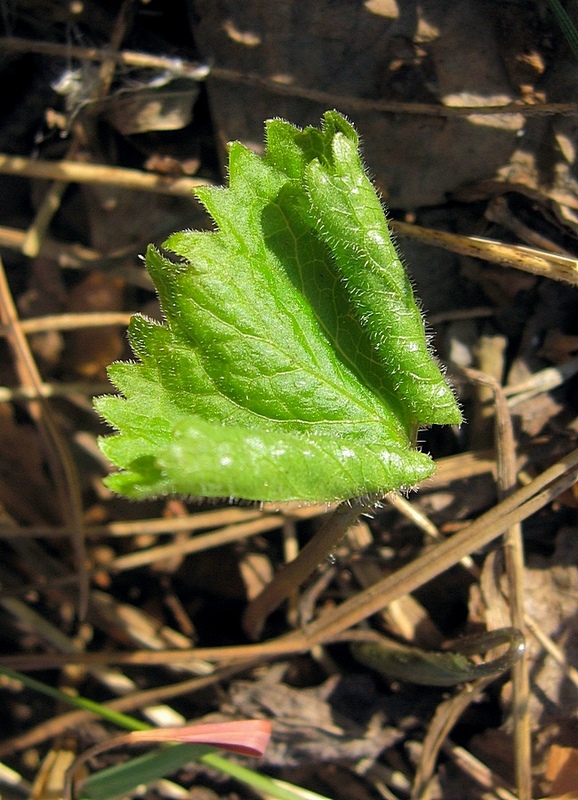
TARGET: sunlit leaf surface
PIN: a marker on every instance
(292, 363)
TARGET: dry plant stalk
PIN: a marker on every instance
(489, 526)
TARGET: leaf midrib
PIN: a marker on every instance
(373, 419)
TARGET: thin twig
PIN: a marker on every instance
(477, 770)
(552, 649)
(444, 719)
(76, 172)
(77, 256)
(292, 575)
(197, 544)
(540, 382)
(518, 506)
(182, 68)
(422, 521)
(514, 552)
(157, 526)
(528, 259)
(350, 103)
(45, 390)
(70, 322)
(177, 66)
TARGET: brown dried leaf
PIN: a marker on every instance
(562, 770)
(313, 725)
(91, 350)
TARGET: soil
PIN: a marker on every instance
(467, 112)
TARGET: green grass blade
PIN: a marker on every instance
(77, 701)
(122, 778)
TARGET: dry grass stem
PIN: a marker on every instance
(445, 717)
(513, 548)
(46, 390)
(515, 508)
(552, 649)
(207, 541)
(543, 381)
(76, 172)
(156, 527)
(128, 58)
(528, 259)
(326, 99)
(77, 256)
(477, 770)
(70, 322)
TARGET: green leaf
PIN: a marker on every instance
(293, 361)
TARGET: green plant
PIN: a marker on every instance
(197, 744)
(293, 362)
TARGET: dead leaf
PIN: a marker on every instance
(310, 725)
(562, 770)
(91, 350)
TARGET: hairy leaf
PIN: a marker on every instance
(293, 362)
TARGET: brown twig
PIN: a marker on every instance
(76, 172)
(528, 259)
(46, 390)
(77, 256)
(71, 322)
(292, 575)
(153, 527)
(478, 771)
(180, 67)
(444, 719)
(518, 506)
(128, 58)
(514, 552)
